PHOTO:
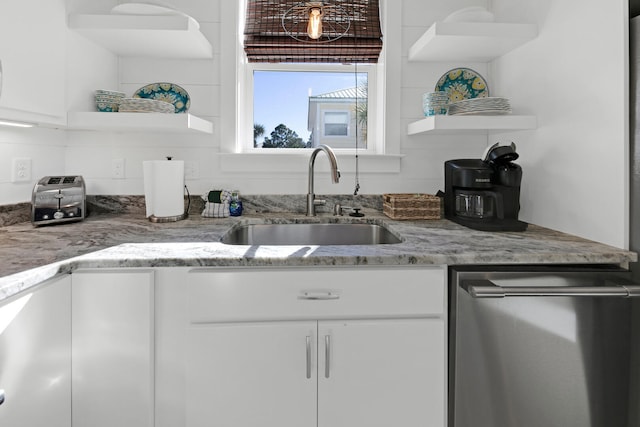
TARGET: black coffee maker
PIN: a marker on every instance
(484, 194)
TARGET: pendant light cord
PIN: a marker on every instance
(357, 188)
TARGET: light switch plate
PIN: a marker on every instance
(21, 169)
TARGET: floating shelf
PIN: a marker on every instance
(453, 124)
(470, 41)
(138, 122)
(161, 36)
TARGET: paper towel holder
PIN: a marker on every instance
(174, 218)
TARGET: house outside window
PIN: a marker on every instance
(338, 118)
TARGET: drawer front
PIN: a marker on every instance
(230, 295)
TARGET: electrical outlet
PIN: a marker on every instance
(191, 169)
(21, 169)
(117, 168)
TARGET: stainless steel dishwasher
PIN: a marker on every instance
(543, 347)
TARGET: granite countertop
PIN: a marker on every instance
(31, 255)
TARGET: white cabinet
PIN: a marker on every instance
(322, 347)
(113, 348)
(35, 356)
(381, 373)
(326, 373)
(244, 375)
(33, 57)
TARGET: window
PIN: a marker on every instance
(336, 123)
(238, 117)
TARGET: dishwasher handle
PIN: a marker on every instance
(488, 289)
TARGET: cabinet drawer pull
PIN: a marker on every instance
(327, 355)
(308, 357)
(1, 397)
(322, 296)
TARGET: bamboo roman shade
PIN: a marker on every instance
(266, 40)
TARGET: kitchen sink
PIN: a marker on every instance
(309, 234)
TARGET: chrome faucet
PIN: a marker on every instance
(312, 202)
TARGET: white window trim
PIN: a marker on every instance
(233, 63)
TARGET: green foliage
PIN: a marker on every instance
(283, 137)
(258, 131)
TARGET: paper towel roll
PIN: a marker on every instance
(164, 187)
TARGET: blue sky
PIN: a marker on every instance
(282, 96)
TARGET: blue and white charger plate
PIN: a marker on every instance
(462, 83)
(167, 92)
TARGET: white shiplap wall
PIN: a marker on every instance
(421, 165)
(574, 77)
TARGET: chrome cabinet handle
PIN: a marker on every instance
(488, 289)
(308, 357)
(327, 355)
(321, 296)
(1, 397)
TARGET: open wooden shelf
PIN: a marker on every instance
(452, 124)
(157, 36)
(470, 41)
(138, 122)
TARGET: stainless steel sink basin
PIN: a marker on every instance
(309, 234)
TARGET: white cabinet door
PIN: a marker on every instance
(381, 373)
(33, 57)
(112, 348)
(253, 374)
(35, 357)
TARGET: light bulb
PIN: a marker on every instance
(314, 28)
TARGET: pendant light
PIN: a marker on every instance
(314, 27)
(316, 22)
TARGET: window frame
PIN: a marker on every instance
(375, 143)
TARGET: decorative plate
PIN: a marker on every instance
(167, 92)
(462, 83)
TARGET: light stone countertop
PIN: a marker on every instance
(31, 255)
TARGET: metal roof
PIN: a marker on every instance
(349, 93)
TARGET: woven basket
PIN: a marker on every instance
(412, 206)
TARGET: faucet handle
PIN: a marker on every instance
(319, 202)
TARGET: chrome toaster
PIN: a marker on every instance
(58, 199)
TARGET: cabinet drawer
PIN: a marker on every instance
(229, 295)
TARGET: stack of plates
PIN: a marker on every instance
(143, 105)
(108, 100)
(435, 103)
(480, 106)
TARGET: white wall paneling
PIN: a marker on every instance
(576, 163)
(45, 147)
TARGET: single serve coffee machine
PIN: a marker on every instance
(484, 194)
